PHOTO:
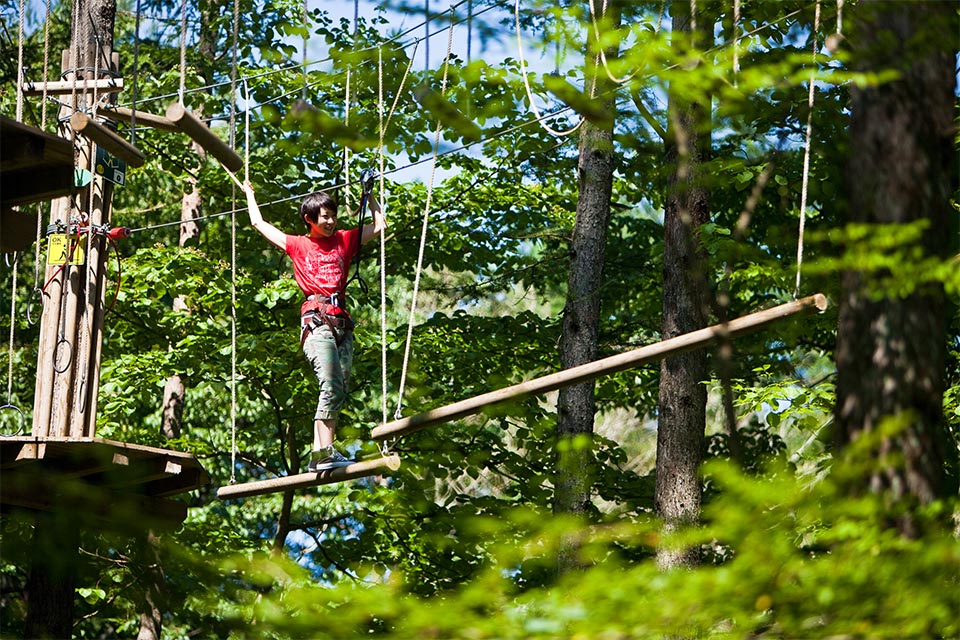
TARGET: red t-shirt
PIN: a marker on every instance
(322, 265)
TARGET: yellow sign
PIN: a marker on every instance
(57, 244)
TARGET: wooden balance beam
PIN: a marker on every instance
(360, 469)
(109, 140)
(144, 118)
(606, 366)
(202, 135)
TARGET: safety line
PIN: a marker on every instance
(806, 152)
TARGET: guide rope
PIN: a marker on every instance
(526, 81)
(806, 151)
(423, 232)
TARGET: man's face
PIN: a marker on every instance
(325, 225)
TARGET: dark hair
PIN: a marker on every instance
(311, 205)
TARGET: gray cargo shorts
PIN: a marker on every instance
(332, 365)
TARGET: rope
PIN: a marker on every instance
(86, 329)
(233, 247)
(415, 42)
(602, 54)
(43, 127)
(806, 153)
(306, 33)
(383, 261)
(736, 41)
(16, 255)
(423, 234)
(13, 318)
(23, 12)
(410, 165)
(183, 51)
(135, 73)
(526, 81)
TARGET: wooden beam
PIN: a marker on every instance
(19, 228)
(606, 366)
(304, 480)
(201, 133)
(107, 139)
(130, 116)
(67, 87)
(27, 186)
(26, 147)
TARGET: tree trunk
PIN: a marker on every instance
(53, 576)
(581, 314)
(151, 613)
(891, 349)
(683, 396)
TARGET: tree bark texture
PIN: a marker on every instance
(53, 576)
(682, 394)
(891, 349)
(581, 314)
(151, 611)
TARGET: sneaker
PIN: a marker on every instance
(333, 459)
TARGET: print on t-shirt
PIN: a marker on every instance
(321, 265)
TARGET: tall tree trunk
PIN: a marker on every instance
(581, 314)
(683, 396)
(151, 611)
(891, 349)
(53, 576)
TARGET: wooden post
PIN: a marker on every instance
(303, 480)
(107, 139)
(606, 366)
(201, 133)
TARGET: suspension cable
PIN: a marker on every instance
(183, 52)
(423, 233)
(383, 255)
(806, 152)
(526, 81)
(233, 245)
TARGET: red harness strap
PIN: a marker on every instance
(325, 310)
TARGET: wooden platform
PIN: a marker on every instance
(34, 166)
(109, 483)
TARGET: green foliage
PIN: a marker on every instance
(801, 561)
(461, 541)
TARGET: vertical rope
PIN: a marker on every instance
(469, 28)
(233, 247)
(383, 255)
(85, 327)
(736, 41)
(135, 73)
(43, 127)
(526, 81)
(183, 51)
(306, 31)
(13, 317)
(806, 153)
(16, 255)
(423, 232)
(20, 61)
(346, 111)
